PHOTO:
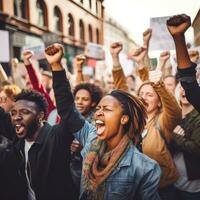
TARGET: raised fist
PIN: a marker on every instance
(115, 48)
(178, 24)
(146, 37)
(164, 56)
(80, 59)
(54, 53)
(27, 55)
(138, 55)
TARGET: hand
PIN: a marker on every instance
(14, 62)
(75, 146)
(155, 76)
(54, 54)
(115, 49)
(179, 131)
(80, 59)
(138, 55)
(178, 24)
(146, 37)
(164, 56)
(194, 56)
(27, 55)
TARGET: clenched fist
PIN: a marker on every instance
(54, 53)
(178, 24)
(115, 49)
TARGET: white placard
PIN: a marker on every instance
(4, 50)
(161, 38)
(37, 50)
(94, 51)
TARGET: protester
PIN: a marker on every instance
(7, 95)
(186, 149)
(177, 26)
(118, 128)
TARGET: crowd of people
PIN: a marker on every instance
(136, 137)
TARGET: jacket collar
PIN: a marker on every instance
(127, 158)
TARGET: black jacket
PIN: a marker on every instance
(49, 156)
(188, 81)
(189, 145)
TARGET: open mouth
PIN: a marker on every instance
(100, 127)
(19, 129)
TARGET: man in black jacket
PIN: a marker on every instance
(177, 26)
(42, 151)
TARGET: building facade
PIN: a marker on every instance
(115, 32)
(196, 26)
(33, 23)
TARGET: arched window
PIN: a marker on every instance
(81, 1)
(82, 30)
(20, 8)
(42, 13)
(97, 36)
(57, 20)
(90, 4)
(90, 33)
(97, 6)
(71, 31)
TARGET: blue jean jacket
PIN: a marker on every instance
(136, 176)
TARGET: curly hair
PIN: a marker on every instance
(95, 91)
(34, 96)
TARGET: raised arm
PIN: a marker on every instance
(171, 113)
(3, 75)
(35, 81)
(117, 71)
(177, 26)
(71, 120)
(139, 56)
(79, 61)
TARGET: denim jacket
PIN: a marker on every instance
(136, 176)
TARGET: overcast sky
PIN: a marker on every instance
(135, 15)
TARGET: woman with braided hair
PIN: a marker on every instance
(113, 168)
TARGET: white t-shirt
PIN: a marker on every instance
(31, 193)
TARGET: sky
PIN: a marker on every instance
(135, 15)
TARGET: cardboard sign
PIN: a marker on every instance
(37, 50)
(161, 38)
(94, 51)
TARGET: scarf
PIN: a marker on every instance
(99, 164)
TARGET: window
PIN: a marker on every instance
(57, 20)
(97, 36)
(97, 7)
(90, 33)
(82, 30)
(81, 1)
(71, 31)
(42, 13)
(20, 8)
(90, 4)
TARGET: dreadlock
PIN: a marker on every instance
(135, 109)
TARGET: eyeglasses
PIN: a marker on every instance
(3, 99)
